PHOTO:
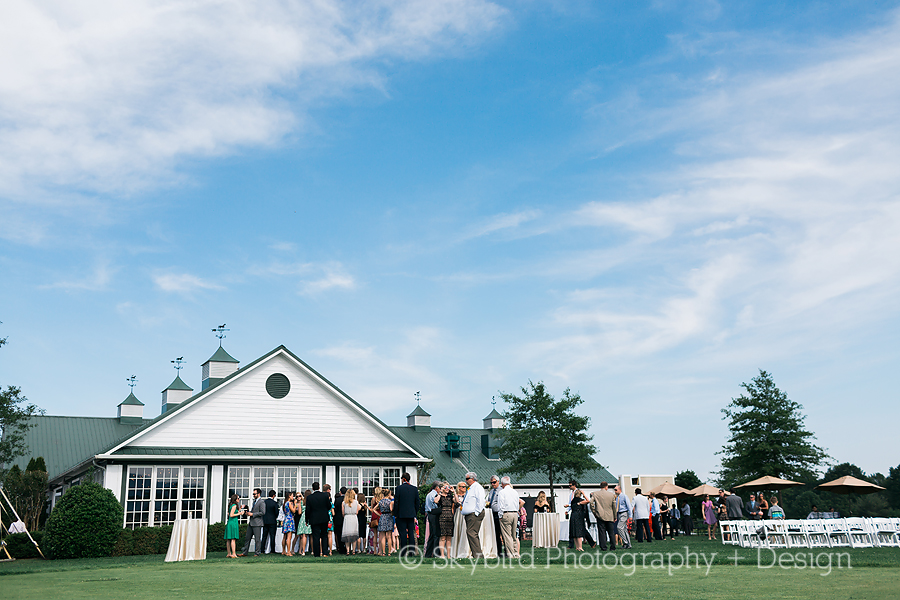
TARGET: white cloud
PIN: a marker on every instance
(502, 222)
(99, 279)
(183, 283)
(108, 98)
(331, 280)
(780, 225)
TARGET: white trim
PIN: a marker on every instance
(224, 458)
(240, 373)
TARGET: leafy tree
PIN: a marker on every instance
(544, 434)
(15, 414)
(767, 437)
(28, 491)
(892, 483)
(687, 479)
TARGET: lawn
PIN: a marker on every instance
(650, 570)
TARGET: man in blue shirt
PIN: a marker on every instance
(623, 514)
(432, 512)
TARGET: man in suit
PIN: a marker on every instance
(270, 523)
(406, 507)
(752, 507)
(338, 520)
(603, 505)
(317, 506)
(254, 527)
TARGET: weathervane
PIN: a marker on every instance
(178, 362)
(494, 401)
(418, 396)
(132, 381)
(220, 333)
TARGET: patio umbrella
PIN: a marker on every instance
(849, 485)
(768, 483)
(705, 490)
(671, 490)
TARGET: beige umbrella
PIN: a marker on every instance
(849, 485)
(768, 483)
(705, 490)
(671, 490)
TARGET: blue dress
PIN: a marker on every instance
(287, 524)
(386, 521)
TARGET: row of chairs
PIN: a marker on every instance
(856, 532)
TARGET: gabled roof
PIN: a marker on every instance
(131, 400)
(65, 442)
(124, 441)
(178, 384)
(418, 411)
(221, 356)
(430, 443)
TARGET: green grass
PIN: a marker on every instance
(873, 574)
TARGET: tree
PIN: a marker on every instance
(15, 415)
(84, 524)
(544, 434)
(687, 479)
(767, 437)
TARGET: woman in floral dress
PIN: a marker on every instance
(303, 528)
(385, 525)
(287, 525)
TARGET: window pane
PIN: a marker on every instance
(391, 477)
(239, 483)
(307, 476)
(193, 490)
(370, 479)
(137, 505)
(166, 497)
(349, 477)
(287, 482)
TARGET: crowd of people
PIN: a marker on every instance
(315, 521)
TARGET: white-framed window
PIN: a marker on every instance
(159, 495)
(390, 477)
(308, 476)
(287, 482)
(366, 479)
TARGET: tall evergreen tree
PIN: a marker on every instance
(767, 437)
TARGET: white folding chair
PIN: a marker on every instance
(776, 534)
(883, 532)
(728, 530)
(750, 536)
(838, 534)
(816, 536)
(858, 530)
(795, 534)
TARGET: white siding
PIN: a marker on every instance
(220, 370)
(112, 480)
(243, 415)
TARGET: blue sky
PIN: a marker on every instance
(644, 201)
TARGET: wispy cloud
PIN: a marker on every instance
(331, 280)
(501, 222)
(183, 283)
(97, 280)
(107, 98)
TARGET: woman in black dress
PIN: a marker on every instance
(540, 504)
(579, 518)
(445, 520)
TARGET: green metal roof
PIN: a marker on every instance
(494, 415)
(221, 356)
(430, 443)
(418, 412)
(263, 452)
(68, 441)
(178, 384)
(131, 400)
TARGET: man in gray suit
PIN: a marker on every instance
(255, 527)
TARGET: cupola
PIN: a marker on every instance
(131, 411)
(177, 392)
(219, 366)
(418, 419)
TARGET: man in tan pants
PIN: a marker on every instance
(509, 516)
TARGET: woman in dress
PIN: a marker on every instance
(377, 496)
(303, 528)
(540, 504)
(763, 507)
(232, 527)
(709, 517)
(350, 528)
(287, 525)
(385, 524)
(445, 520)
(579, 518)
(362, 518)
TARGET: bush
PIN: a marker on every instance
(19, 546)
(84, 524)
(124, 546)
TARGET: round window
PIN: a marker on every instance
(278, 385)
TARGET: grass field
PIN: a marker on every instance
(650, 571)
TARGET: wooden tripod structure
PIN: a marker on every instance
(18, 518)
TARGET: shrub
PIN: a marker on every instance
(123, 545)
(20, 546)
(84, 524)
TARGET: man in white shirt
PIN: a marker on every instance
(509, 516)
(641, 507)
(473, 513)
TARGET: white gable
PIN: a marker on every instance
(242, 414)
